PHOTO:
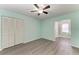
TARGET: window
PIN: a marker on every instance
(65, 27)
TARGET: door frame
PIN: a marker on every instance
(56, 25)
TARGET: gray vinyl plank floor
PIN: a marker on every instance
(62, 46)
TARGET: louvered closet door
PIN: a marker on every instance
(7, 32)
(19, 31)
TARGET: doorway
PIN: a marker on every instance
(63, 28)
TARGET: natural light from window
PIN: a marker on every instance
(65, 27)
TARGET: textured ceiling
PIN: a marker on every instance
(55, 9)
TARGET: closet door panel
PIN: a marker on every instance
(4, 33)
(19, 31)
(7, 32)
(11, 32)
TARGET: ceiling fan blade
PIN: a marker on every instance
(45, 12)
(34, 11)
(46, 7)
(38, 14)
(36, 6)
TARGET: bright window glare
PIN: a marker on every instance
(65, 27)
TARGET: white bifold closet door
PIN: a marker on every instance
(7, 32)
(19, 31)
(12, 31)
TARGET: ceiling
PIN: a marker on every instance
(55, 9)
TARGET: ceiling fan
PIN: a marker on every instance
(40, 10)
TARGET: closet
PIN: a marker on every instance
(12, 31)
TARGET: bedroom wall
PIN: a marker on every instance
(48, 27)
(32, 28)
